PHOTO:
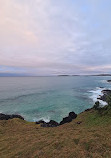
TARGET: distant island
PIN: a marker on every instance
(86, 75)
(102, 75)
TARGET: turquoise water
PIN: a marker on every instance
(49, 97)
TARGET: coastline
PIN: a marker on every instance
(53, 99)
(89, 133)
(101, 99)
(97, 94)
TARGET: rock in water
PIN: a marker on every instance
(66, 120)
(109, 81)
(105, 94)
(7, 117)
(52, 123)
(71, 116)
(40, 121)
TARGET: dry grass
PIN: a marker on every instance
(90, 139)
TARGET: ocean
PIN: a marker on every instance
(49, 98)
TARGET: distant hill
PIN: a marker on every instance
(88, 75)
(102, 75)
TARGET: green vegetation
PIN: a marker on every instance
(89, 139)
(106, 110)
(96, 105)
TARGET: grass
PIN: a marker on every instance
(90, 139)
(76, 141)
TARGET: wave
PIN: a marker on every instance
(96, 94)
(46, 119)
(103, 81)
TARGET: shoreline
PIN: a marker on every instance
(96, 94)
(99, 95)
(71, 116)
(48, 103)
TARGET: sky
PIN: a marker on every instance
(52, 37)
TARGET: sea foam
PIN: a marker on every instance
(95, 94)
(46, 119)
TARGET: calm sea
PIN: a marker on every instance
(48, 98)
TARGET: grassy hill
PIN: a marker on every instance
(88, 136)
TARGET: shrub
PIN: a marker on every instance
(109, 100)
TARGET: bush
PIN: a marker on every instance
(109, 100)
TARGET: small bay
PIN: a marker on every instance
(48, 98)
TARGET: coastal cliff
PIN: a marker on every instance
(88, 135)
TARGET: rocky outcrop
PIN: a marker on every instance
(40, 121)
(71, 116)
(105, 94)
(109, 81)
(53, 123)
(66, 120)
(7, 117)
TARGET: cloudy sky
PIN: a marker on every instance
(48, 37)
